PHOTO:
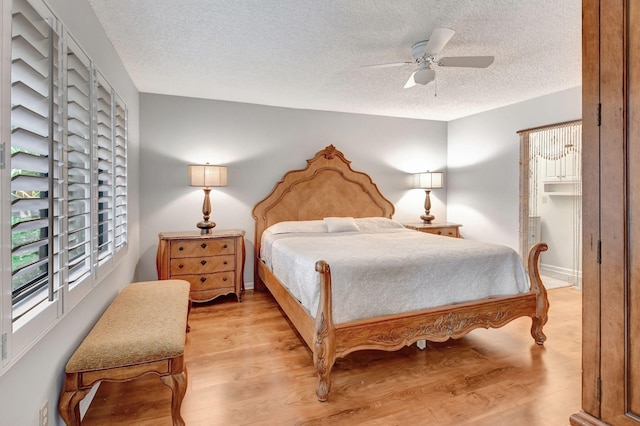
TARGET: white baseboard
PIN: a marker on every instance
(562, 274)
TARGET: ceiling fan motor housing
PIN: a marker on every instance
(417, 50)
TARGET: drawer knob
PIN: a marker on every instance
(181, 266)
(439, 232)
(224, 246)
(180, 248)
(224, 279)
(202, 279)
(225, 262)
(203, 262)
(203, 245)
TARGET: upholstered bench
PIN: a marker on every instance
(142, 331)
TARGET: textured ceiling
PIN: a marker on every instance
(309, 53)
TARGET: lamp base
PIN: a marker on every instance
(427, 218)
(206, 226)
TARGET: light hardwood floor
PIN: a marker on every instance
(247, 366)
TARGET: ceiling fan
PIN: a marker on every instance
(425, 55)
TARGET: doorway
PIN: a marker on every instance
(551, 200)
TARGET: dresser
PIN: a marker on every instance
(444, 228)
(212, 263)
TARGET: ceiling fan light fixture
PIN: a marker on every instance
(424, 76)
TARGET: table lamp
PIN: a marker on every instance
(206, 176)
(428, 181)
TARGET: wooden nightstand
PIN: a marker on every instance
(445, 228)
(212, 263)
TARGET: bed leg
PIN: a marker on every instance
(537, 287)
(323, 359)
(324, 348)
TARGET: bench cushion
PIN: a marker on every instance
(146, 322)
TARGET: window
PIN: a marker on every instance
(67, 218)
(104, 166)
(78, 161)
(120, 173)
(35, 161)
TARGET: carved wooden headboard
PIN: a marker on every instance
(326, 187)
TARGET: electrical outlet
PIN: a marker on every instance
(44, 414)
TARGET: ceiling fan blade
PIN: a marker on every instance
(411, 82)
(439, 38)
(392, 64)
(466, 61)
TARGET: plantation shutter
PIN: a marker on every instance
(120, 143)
(78, 160)
(105, 169)
(36, 160)
(66, 176)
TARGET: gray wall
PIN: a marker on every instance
(259, 144)
(483, 163)
(38, 375)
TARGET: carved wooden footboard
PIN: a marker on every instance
(438, 324)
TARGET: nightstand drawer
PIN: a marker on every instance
(446, 229)
(209, 281)
(449, 231)
(202, 265)
(201, 248)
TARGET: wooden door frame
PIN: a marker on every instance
(607, 115)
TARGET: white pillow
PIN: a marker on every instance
(291, 226)
(341, 224)
(374, 223)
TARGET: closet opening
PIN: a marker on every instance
(551, 200)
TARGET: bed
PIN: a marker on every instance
(328, 203)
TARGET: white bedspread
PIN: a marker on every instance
(392, 270)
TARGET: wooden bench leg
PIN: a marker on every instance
(173, 375)
(68, 406)
(188, 312)
(178, 384)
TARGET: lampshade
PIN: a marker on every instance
(207, 175)
(428, 180)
